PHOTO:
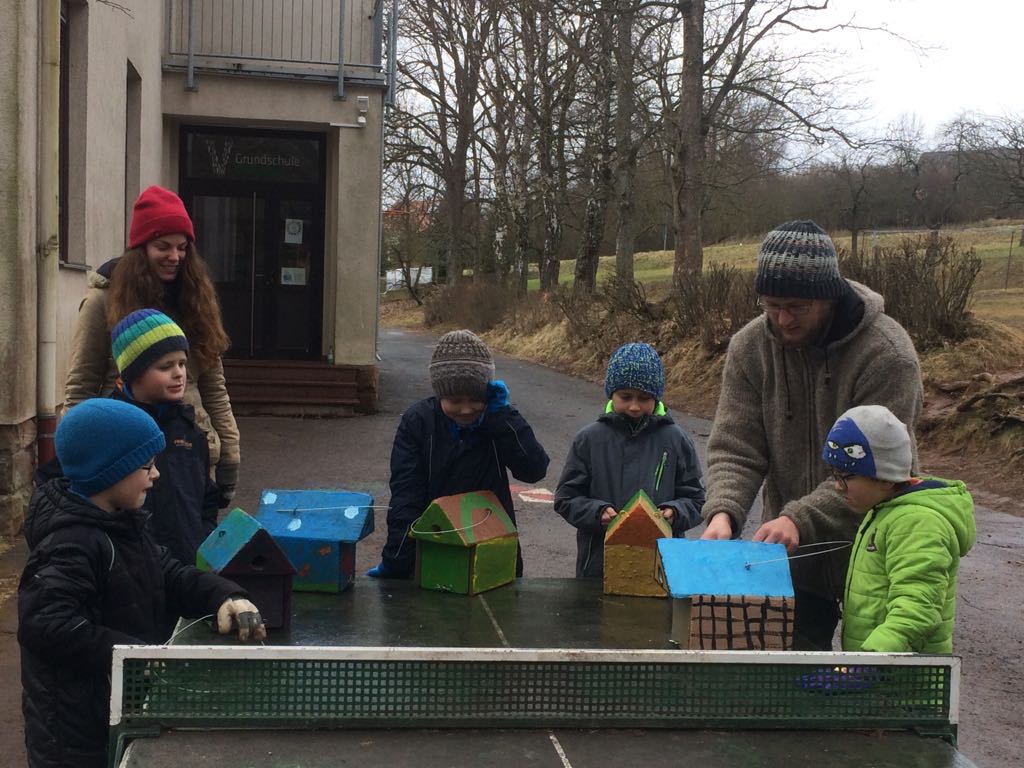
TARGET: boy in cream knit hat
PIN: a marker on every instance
(467, 437)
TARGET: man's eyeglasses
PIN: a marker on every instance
(842, 478)
(796, 309)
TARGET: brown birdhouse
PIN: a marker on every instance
(242, 550)
(631, 549)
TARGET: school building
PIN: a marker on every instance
(266, 116)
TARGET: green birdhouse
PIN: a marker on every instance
(466, 544)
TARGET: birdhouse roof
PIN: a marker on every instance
(725, 568)
(464, 519)
(238, 542)
(639, 523)
(317, 515)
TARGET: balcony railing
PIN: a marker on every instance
(312, 39)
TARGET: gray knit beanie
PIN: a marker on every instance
(461, 365)
(869, 440)
(798, 259)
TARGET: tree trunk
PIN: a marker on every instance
(688, 170)
(625, 151)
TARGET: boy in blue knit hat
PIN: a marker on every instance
(96, 578)
(634, 445)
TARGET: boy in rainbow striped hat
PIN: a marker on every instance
(151, 352)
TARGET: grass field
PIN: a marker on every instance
(999, 291)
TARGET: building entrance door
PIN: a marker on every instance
(262, 240)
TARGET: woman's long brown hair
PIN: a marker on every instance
(133, 285)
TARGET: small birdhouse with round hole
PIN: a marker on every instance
(728, 595)
(465, 543)
(631, 549)
(242, 550)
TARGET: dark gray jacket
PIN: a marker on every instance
(608, 463)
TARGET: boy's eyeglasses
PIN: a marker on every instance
(148, 466)
(798, 309)
(842, 478)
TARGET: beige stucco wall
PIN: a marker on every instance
(18, 110)
(353, 182)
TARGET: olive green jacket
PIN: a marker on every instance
(92, 374)
(901, 586)
(777, 405)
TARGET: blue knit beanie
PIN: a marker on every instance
(101, 441)
(635, 366)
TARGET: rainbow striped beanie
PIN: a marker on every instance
(142, 338)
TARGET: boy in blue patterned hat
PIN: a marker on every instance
(634, 445)
(95, 578)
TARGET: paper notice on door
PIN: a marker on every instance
(293, 276)
(293, 231)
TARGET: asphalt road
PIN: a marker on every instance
(354, 454)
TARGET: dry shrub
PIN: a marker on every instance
(927, 283)
(712, 306)
(479, 305)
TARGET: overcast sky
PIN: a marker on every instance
(975, 63)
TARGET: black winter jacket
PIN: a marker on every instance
(608, 463)
(430, 459)
(184, 501)
(92, 580)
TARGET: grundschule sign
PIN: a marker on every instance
(229, 157)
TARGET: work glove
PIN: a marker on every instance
(226, 479)
(497, 395)
(383, 570)
(239, 612)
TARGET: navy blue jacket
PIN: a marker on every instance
(93, 579)
(432, 458)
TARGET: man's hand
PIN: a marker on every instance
(781, 530)
(719, 527)
(240, 612)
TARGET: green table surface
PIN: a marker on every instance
(529, 613)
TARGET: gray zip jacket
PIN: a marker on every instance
(609, 462)
(775, 409)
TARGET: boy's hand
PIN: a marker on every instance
(240, 612)
(497, 395)
(608, 515)
(668, 513)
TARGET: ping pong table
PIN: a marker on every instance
(542, 672)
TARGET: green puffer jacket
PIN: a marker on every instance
(901, 586)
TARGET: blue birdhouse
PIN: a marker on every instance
(728, 595)
(242, 550)
(318, 530)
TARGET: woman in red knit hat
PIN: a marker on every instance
(160, 268)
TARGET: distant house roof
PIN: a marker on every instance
(701, 567)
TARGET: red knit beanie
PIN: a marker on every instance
(158, 212)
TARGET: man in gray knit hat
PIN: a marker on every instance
(822, 345)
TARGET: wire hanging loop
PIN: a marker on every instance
(412, 526)
(834, 546)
